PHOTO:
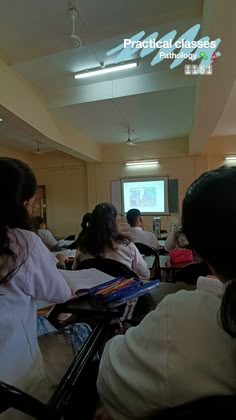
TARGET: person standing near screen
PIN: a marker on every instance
(138, 235)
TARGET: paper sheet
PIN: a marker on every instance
(84, 279)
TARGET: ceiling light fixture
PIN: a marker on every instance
(1, 119)
(230, 158)
(143, 163)
(108, 69)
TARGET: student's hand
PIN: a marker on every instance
(101, 413)
(61, 258)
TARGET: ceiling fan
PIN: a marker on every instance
(130, 142)
(38, 151)
(74, 38)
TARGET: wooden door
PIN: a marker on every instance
(40, 208)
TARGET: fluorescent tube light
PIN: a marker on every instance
(109, 69)
(143, 163)
(230, 158)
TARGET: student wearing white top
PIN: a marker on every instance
(103, 239)
(186, 348)
(138, 235)
(45, 235)
(176, 239)
(27, 273)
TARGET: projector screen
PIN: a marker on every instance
(149, 195)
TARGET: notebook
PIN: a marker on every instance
(119, 291)
(68, 253)
(80, 281)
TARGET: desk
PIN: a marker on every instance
(86, 313)
(167, 271)
(166, 259)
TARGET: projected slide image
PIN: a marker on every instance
(143, 197)
(147, 196)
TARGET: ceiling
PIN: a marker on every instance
(34, 41)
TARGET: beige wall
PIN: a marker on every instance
(65, 179)
(17, 154)
(219, 147)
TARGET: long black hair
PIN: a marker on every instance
(84, 224)
(17, 185)
(102, 232)
(209, 223)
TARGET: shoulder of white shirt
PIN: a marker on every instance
(211, 285)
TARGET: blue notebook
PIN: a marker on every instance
(118, 291)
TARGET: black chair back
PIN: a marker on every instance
(221, 406)
(112, 267)
(144, 249)
(11, 397)
(190, 273)
(70, 238)
(70, 400)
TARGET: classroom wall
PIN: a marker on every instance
(6, 151)
(74, 187)
(65, 178)
(184, 168)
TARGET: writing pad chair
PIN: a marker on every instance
(190, 273)
(69, 401)
(70, 238)
(145, 249)
(148, 251)
(222, 406)
(107, 265)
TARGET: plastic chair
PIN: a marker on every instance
(190, 273)
(221, 406)
(106, 265)
(70, 238)
(71, 395)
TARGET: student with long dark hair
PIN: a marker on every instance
(102, 239)
(27, 272)
(186, 348)
(84, 225)
(45, 235)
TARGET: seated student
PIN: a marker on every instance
(27, 273)
(134, 219)
(84, 225)
(185, 349)
(46, 236)
(102, 238)
(176, 239)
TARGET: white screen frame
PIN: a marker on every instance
(145, 179)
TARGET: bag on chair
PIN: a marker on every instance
(181, 255)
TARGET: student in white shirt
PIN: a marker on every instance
(186, 348)
(138, 235)
(27, 273)
(102, 239)
(176, 239)
(45, 235)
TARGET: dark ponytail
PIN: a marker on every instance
(17, 186)
(228, 309)
(208, 215)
